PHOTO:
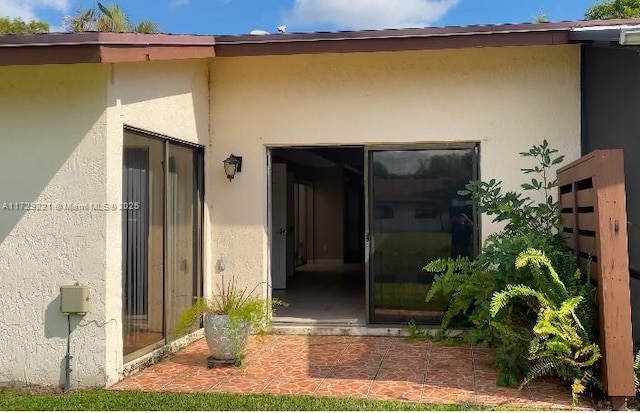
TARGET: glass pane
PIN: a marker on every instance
(416, 217)
(142, 244)
(182, 230)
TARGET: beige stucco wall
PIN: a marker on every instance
(169, 98)
(52, 151)
(504, 98)
(61, 142)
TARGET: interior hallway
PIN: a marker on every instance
(324, 294)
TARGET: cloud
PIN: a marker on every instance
(27, 9)
(368, 14)
(178, 3)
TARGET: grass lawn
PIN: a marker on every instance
(97, 399)
(399, 282)
(407, 296)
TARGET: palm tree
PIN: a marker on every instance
(114, 19)
(83, 21)
(111, 18)
(147, 26)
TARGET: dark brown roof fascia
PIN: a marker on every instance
(94, 47)
(123, 54)
(34, 55)
(66, 48)
(526, 34)
(393, 44)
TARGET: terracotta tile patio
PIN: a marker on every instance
(385, 368)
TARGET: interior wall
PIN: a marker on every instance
(611, 116)
(328, 215)
(311, 245)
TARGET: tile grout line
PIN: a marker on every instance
(426, 369)
(277, 376)
(226, 376)
(379, 368)
(333, 365)
(475, 378)
(176, 378)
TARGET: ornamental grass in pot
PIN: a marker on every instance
(229, 316)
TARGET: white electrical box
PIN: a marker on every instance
(74, 299)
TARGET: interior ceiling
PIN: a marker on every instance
(316, 158)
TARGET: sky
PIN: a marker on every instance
(242, 16)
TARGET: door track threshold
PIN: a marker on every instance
(339, 330)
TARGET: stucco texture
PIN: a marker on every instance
(506, 99)
(61, 143)
(53, 152)
(169, 98)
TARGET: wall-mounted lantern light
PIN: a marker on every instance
(232, 165)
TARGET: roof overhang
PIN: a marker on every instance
(94, 47)
(604, 34)
(630, 36)
(527, 34)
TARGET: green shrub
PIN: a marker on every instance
(561, 345)
(512, 325)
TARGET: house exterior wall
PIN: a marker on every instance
(611, 121)
(507, 99)
(62, 144)
(52, 152)
(169, 98)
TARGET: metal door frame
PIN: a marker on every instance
(269, 158)
(369, 246)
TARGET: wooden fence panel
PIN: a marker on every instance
(594, 217)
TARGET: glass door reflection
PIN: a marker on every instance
(416, 216)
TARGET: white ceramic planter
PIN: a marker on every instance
(226, 344)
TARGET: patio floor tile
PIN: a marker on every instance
(395, 390)
(385, 368)
(344, 388)
(412, 375)
(289, 386)
(352, 373)
(446, 394)
(241, 384)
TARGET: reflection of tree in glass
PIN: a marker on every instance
(380, 170)
(455, 167)
(461, 235)
(451, 164)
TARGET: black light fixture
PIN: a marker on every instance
(232, 165)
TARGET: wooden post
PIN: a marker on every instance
(594, 217)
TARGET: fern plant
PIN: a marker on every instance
(561, 345)
(470, 288)
(472, 284)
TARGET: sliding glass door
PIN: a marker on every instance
(415, 216)
(183, 232)
(162, 238)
